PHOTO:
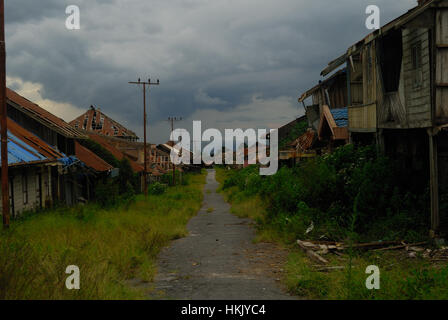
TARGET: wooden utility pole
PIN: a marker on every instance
(172, 119)
(149, 83)
(4, 115)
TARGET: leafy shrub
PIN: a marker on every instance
(324, 190)
(157, 188)
(128, 181)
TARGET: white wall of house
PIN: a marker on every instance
(25, 189)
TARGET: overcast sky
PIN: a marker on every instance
(229, 63)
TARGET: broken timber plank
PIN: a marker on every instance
(401, 246)
(329, 268)
(311, 253)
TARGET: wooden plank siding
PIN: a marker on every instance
(410, 105)
(362, 109)
(369, 73)
(356, 81)
(362, 119)
(417, 81)
(441, 72)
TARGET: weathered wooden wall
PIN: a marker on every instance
(417, 81)
(35, 188)
(356, 81)
(441, 73)
(409, 106)
(338, 92)
(362, 109)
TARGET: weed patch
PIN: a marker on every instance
(109, 246)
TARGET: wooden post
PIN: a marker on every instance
(434, 184)
(380, 141)
(3, 120)
(145, 174)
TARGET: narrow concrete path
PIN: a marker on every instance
(218, 260)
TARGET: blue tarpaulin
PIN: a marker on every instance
(68, 161)
(21, 153)
(340, 116)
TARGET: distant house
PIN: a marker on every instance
(111, 146)
(158, 160)
(169, 147)
(94, 120)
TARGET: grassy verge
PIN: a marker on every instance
(400, 276)
(109, 246)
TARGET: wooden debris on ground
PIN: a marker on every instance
(324, 247)
(440, 254)
(412, 247)
(317, 249)
(328, 268)
(308, 247)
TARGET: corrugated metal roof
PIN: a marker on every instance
(90, 159)
(18, 152)
(323, 83)
(32, 140)
(43, 116)
(340, 116)
(26, 148)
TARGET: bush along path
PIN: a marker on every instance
(218, 259)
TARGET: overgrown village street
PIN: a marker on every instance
(224, 150)
(218, 259)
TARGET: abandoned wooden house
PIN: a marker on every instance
(94, 120)
(58, 134)
(397, 94)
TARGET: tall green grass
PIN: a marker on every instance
(109, 246)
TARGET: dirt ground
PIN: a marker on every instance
(218, 259)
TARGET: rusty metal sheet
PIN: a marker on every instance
(90, 159)
(43, 116)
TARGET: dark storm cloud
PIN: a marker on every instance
(207, 54)
(17, 11)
